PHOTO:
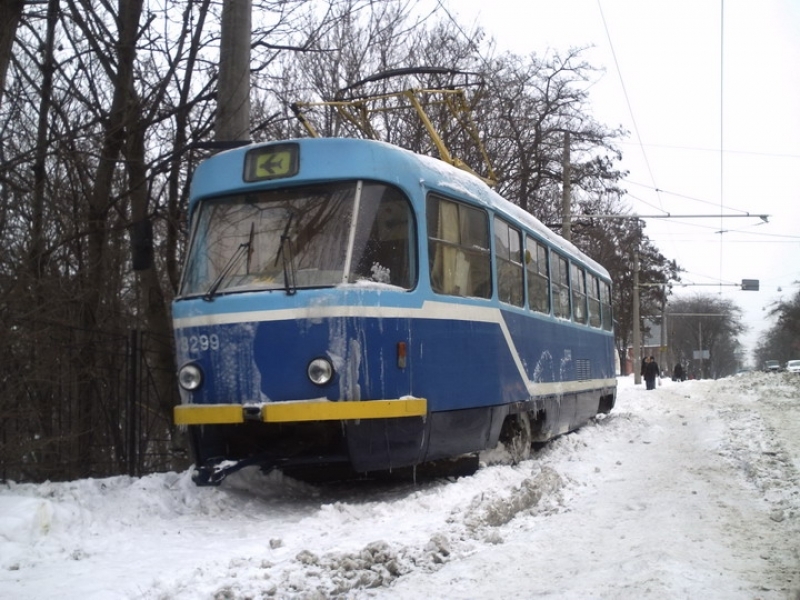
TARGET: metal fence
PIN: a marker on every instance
(78, 403)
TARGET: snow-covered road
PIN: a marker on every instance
(688, 491)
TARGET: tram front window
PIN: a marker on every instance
(300, 238)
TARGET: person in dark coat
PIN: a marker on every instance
(651, 371)
(677, 373)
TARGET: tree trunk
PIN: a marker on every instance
(10, 16)
(153, 301)
(99, 202)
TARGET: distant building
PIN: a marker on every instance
(651, 346)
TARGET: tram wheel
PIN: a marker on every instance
(517, 437)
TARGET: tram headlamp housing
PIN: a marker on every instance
(190, 377)
(320, 371)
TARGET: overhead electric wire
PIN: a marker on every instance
(627, 100)
(467, 37)
(714, 150)
(683, 196)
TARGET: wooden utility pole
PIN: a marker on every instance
(233, 90)
(566, 192)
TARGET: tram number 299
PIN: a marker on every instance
(195, 344)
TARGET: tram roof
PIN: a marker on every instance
(366, 159)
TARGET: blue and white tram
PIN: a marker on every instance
(348, 301)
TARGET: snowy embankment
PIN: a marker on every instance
(688, 491)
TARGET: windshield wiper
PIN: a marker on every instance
(285, 253)
(244, 249)
(250, 246)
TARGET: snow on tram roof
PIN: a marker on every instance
(465, 183)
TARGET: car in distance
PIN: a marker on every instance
(793, 366)
(772, 366)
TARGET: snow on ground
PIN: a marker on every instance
(688, 491)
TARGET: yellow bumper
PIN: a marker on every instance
(291, 412)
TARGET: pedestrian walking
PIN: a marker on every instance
(651, 371)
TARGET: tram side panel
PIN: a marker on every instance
(468, 370)
(570, 369)
(465, 369)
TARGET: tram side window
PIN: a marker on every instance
(561, 287)
(593, 285)
(605, 305)
(508, 261)
(578, 281)
(458, 248)
(538, 276)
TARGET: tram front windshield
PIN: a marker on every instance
(311, 237)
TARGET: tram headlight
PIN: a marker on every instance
(320, 371)
(190, 377)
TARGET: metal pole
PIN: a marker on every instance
(637, 338)
(133, 401)
(700, 355)
(663, 342)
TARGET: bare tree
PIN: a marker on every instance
(781, 342)
(531, 105)
(707, 323)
